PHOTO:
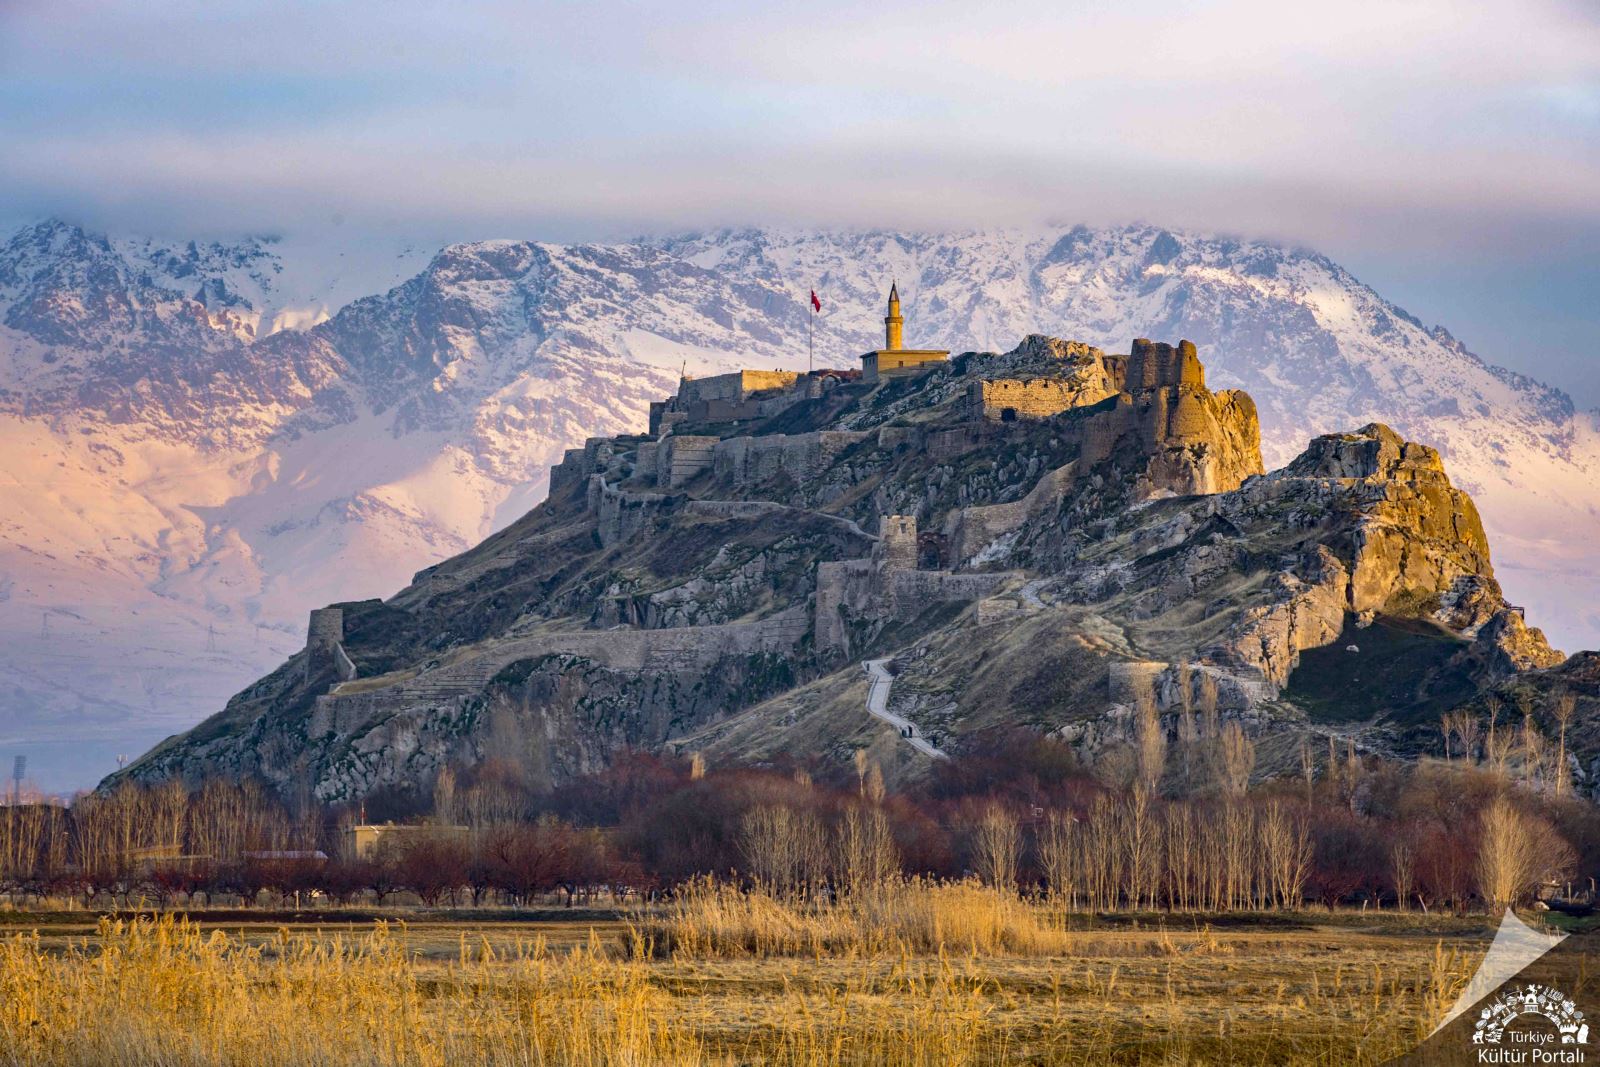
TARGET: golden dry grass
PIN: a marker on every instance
(712, 919)
(1007, 987)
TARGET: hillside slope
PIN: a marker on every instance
(1049, 538)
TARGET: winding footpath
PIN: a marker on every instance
(878, 706)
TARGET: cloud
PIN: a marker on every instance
(1249, 114)
(1386, 132)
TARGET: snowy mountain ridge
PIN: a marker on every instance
(187, 476)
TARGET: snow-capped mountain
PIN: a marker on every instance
(192, 459)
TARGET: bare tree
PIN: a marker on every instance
(784, 849)
(867, 857)
(996, 844)
(444, 796)
(1496, 745)
(1468, 728)
(1508, 863)
(1533, 749)
(1101, 853)
(1562, 710)
(1285, 854)
(1181, 860)
(1058, 857)
(874, 787)
(1150, 741)
(1142, 849)
(1188, 728)
(1238, 759)
(1402, 869)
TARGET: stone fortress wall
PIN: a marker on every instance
(1009, 399)
(631, 480)
(677, 649)
(889, 585)
(747, 460)
(325, 645)
(1162, 400)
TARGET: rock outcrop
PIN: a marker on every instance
(1100, 525)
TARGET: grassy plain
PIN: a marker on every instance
(715, 981)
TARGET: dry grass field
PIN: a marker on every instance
(921, 975)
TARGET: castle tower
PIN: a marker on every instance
(893, 324)
(897, 542)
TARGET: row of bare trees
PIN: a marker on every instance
(1521, 751)
(1126, 852)
(102, 837)
(793, 852)
(1026, 817)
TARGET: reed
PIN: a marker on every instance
(920, 974)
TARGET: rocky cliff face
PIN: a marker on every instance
(716, 586)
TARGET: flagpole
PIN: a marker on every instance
(811, 328)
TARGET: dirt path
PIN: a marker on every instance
(878, 706)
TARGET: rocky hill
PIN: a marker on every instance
(1046, 538)
(230, 433)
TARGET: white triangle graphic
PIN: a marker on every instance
(1516, 944)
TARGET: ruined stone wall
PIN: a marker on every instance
(325, 629)
(598, 455)
(680, 458)
(956, 441)
(343, 714)
(844, 585)
(912, 592)
(897, 542)
(969, 530)
(893, 437)
(733, 509)
(1157, 365)
(1004, 399)
(1190, 441)
(324, 632)
(619, 514)
(696, 648)
(568, 471)
(748, 460)
(733, 387)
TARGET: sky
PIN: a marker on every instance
(1447, 153)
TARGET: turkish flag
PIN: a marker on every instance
(816, 305)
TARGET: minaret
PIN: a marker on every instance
(893, 324)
